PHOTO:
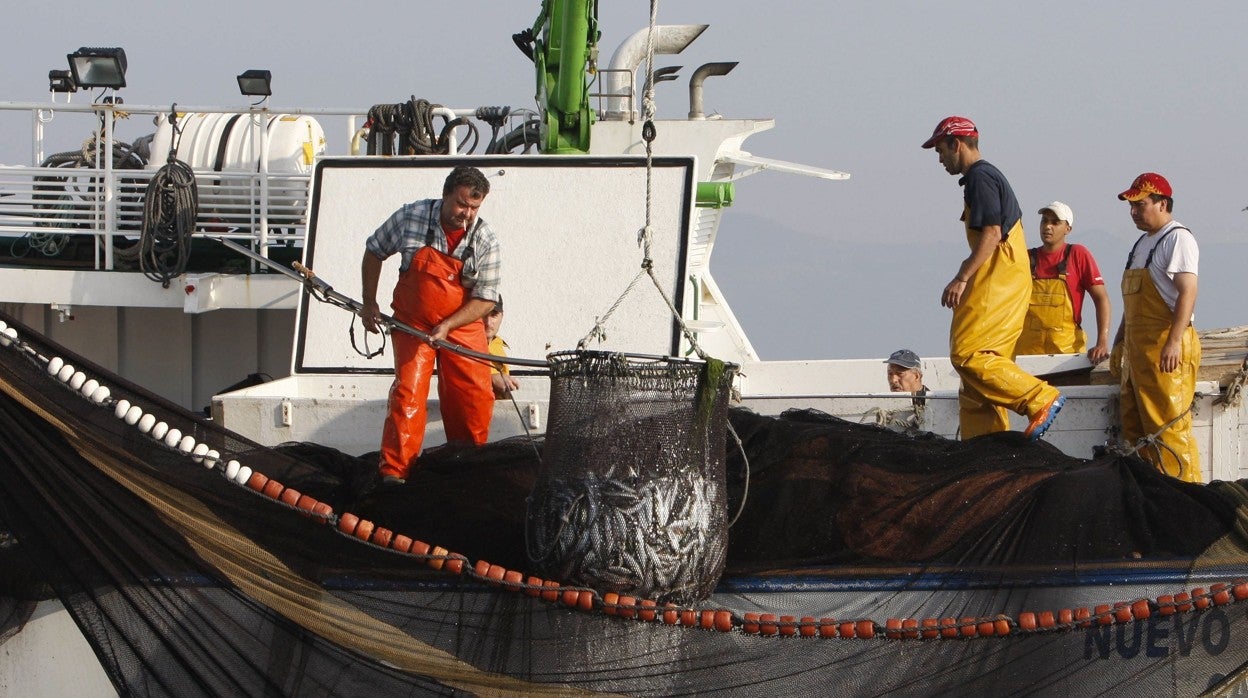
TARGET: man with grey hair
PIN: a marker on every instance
(905, 374)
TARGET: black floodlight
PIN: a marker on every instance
(256, 83)
(98, 67)
(61, 81)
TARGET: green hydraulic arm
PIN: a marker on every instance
(565, 53)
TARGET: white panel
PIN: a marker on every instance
(568, 230)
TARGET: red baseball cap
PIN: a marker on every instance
(1146, 184)
(951, 126)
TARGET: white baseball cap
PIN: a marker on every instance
(1062, 211)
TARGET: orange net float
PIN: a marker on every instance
(1066, 616)
(1200, 598)
(257, 481)
(931, 628)
(689, 618)
(1221, 596)
(807, 626)
(1084, 617)
(1141, 610)
(892, 628)
(382, 537)
(910, 628)
(586, 600)
(1046, 619)
(305, 504)
(551, 592)
(968, 627)
(347, 523)
(1002, 626)
(322, 511)
(751, 624)
(401, 543)
(767, 624)
(495, 573)
(481, 568)
(864, 629)
(949, 627)
(1181, 602)
(512, 579)
(533, 587)
(628, 606)
(723, 621)
(610, 603)
(438, 559)
(986, 628)
(1165, 605)
(273, 489)
(1240, 591)
(671, 616)
(788, 626)
(455, 563)
(846, 630)
(706, 620)
(1104, 615)
(647, 609)
(290, 496)
(1027, 621)
(364, 530)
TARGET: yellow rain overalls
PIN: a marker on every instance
(985, 329)
(1149, 399)
(1050, 324)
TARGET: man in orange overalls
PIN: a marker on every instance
(448, 281)
(1156, 345)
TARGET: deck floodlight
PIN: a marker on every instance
(98, 67)
(61, 81)
(256, 83)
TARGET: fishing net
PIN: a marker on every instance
(631, 498)
(863, 562)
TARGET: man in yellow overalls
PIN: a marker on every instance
(1060, 275)
(1156, 343)
(989, 295)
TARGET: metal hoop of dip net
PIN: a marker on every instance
(631, 497)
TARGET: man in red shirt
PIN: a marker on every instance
(1060, 274)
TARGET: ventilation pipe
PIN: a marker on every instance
(695, 85)
(669, 39)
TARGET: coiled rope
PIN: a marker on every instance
(170, 205)
(412, 123)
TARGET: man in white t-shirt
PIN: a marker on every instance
(1156, 343)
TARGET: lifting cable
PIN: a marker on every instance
(170, 206)
(644, 236)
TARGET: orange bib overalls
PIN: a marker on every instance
(425, 295)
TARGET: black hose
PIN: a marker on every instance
(170, 206)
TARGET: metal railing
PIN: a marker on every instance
(96, 191)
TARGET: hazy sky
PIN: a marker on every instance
(1073, 99)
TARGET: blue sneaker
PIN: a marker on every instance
(1042, 420)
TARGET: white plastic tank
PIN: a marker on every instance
(230, 144)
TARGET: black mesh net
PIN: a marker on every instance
(863, 562)
(631, 497)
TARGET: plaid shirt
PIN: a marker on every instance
(408, 229)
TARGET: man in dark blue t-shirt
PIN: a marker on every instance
(989, 295)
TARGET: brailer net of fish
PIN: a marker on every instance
(631, 496)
